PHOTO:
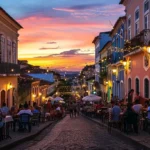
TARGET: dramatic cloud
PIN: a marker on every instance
(48, 48)
(54, 26)
(51, 43)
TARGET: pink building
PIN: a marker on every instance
(137, 47)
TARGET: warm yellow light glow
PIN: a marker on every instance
(10, 86)
(12, 70)
(43, 97)
(124, 63)
(40, 94)
(34, 95)
(106, 82)
(114, 70)
(148, 50)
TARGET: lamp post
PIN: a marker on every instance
(148, 50)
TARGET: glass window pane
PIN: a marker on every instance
(146, 6)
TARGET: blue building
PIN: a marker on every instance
(99, 42)
(115, 57)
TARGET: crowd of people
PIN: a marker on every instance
(47, 112)
(131, 111)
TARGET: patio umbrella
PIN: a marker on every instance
(91, 98)
(57, 99)
(62, 102)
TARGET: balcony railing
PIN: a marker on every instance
(140, 40)
(9, 69)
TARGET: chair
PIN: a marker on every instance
(36, 118)
(25, 120)
(1, 129)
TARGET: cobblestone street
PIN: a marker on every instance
(76, 134)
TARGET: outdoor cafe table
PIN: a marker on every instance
(6, 121)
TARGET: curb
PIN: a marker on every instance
(121, 135)
(15, 143)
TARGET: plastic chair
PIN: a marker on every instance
(36, 118)
(25, 120)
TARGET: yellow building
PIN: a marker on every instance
(9, 68)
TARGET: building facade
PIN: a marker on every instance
(137, 46)
(9, 69)
(116, 57)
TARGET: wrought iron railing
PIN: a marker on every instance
(8, 68)
(140, 40)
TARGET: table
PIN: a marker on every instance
(7, 120)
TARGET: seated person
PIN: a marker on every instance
(130, 118)
(4, 110)
(137, 107)
(36, 110)
(25, 110)
(116, 112)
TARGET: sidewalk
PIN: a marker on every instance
(142, 139)
(18, 137)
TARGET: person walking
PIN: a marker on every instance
(75, 109)
(130, 96)
(71, 110)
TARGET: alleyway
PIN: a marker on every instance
(77, 134)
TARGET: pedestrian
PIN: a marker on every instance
(75, 109)
(130, 96)
(71, 110)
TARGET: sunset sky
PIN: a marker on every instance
(58, 33)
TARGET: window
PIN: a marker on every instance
(146, 6)
(146, 87)
(117, 42)
(129, 84)
(129, 34)
(136, 28)
(137, 84)
(129, 22)
(137, 15)
(13, 52)
(136, 21)
(2, 48)
(121, 39)
(8, 51)
(146, 21)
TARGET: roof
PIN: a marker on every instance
(43, 76)
(97, 37)
(106, 32)
(121, 1)
(1, 9)
(109, 42)
(119, 19)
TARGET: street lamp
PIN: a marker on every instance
(34, 95)
(114, 71)
(148, 50)
(124, 62)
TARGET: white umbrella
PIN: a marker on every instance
(62, 102)
(91, 98)
(57, 99)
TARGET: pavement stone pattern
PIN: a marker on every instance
(77, 134)
(21, 135)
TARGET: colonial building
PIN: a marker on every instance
(115, 57)
(105, 72)
(99, 43)
(137, 46)
(9, 69)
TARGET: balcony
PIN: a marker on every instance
(140, 40)
(7, 69)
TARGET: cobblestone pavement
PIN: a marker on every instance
(76, 134)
